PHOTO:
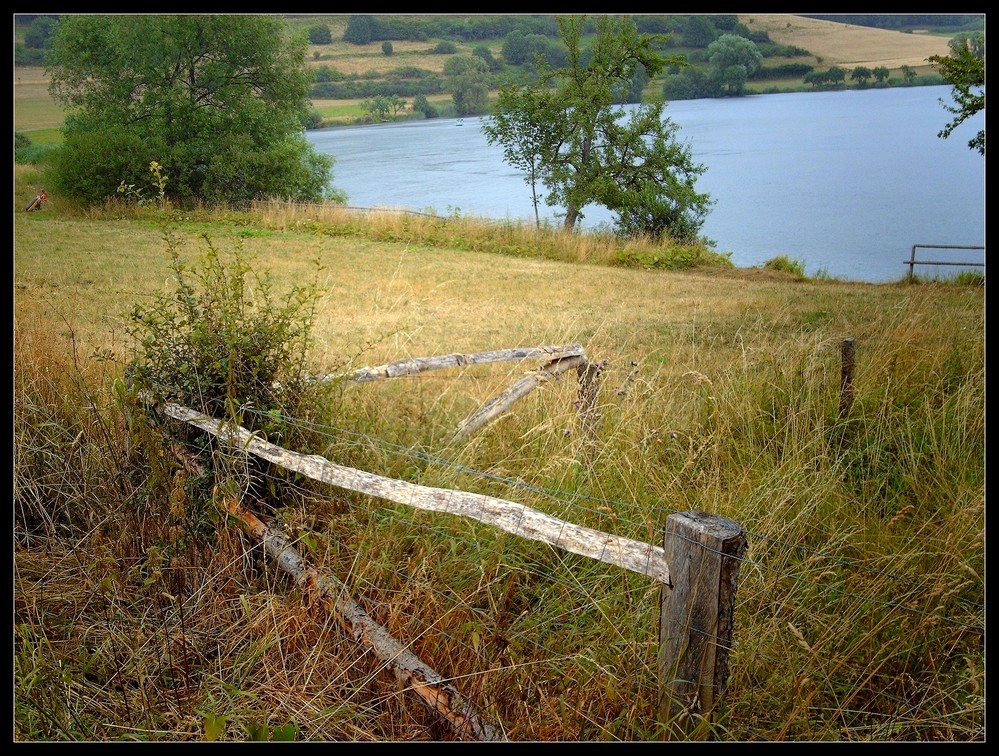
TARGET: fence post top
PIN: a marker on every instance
(707, 523)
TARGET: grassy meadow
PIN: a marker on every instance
(143, 613)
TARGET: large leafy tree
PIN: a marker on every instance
(565, 129)
(733, 60)
(466, 77)
(964, 69)
(219, 101)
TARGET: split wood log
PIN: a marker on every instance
(643, 558)
(434, 691)
(422, 364)
(502, 401)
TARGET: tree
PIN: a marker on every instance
(564, 129)
(836, 75)
(516, 49)
(909, 74)
(320, 34)
(881, 74)
(387, 48)
(699, 31)
(40, 32)
(360, 30)
(525, 130)
(734, 59)
(964, 70)
(466, 78)
(219, 101)
(422, 105)
(377, 108)
(861, 74)
(482, 51)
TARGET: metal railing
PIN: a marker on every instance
(912, 261)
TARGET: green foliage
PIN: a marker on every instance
(861, 74)
(673, 257)
(313, 120)
(221, 342)
(565, 130)
(964, 70)
(26, 56)
(466, 78)
(320, 34)
(699, 31)
(27, 152)
(359, 30)
(218, 100)
(831, 78)
(422, 105)
(39, 34)
(734, 59)
(784, 264)
(261, 731)
(387, 48)
(444, 47)
(482, 51)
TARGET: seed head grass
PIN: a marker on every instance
(144, 612)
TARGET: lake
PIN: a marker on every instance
(845, 182)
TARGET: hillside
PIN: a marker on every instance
(848, 45)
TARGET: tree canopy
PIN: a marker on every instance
(734, 59)
(964, 70)
(564, 129)
(466, 78)
(219, 101)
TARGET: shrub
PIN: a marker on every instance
(784, 264)
(320, 35)
(220, 343)
(444, 48)
(387, 47)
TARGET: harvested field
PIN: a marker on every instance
(848, 45)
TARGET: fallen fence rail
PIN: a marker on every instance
(432, 688)
(421, 364)
(697, 599)
(560, 359)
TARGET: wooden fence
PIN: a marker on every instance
(697, 566)
(912, 261)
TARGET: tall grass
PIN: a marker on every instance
(142, 613)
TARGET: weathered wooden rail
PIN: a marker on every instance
(912, 261)
(697, 597)
(559, 360)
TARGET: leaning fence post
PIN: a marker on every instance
(703, 552)
(849, 352)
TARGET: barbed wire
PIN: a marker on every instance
(571, 499)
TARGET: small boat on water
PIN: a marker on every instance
(460, 122)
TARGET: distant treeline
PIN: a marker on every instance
(906, 22)
(695, 30)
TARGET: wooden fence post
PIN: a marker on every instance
(586, 401)
(849, 352)
(703, 552)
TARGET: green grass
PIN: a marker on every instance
(141, 612)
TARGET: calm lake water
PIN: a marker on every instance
(846, 182)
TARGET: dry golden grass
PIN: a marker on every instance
(848, 45)
(718, 396)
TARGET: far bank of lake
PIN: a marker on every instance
(846, 182)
